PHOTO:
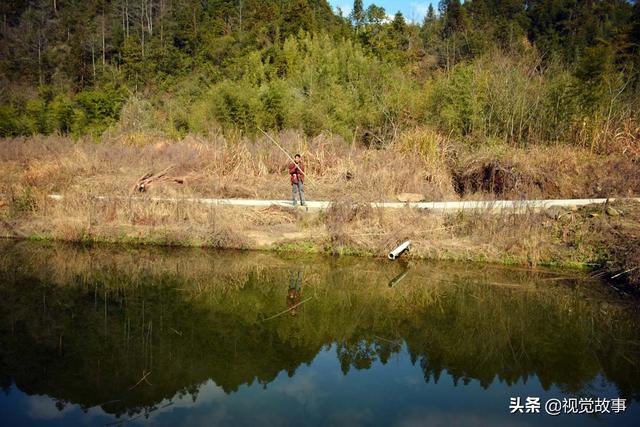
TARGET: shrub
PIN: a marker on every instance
(235, 104)
(9, 121)
(94, 111)
(273, 112)
(61, 114)
(22, 202)
(454, 101)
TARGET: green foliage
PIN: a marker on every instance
(455, 102)
(62, 114)
(313, 84)
(273, 106)
(95, 111)
(10, 124)
(497, 98)
(482, 70)
(89, 112)
(26, 116)
(592, 71)
(560, 103)
(454, 17)
(357, 13)
(235, 104)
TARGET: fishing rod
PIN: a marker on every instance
(283, 150)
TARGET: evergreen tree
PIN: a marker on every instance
(430, 17)
(376, 14)
(399, 32)
(454, 17)
(429, 30)
(357, 14)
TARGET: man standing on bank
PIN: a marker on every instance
(296, 171)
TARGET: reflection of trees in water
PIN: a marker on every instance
(359, 355)
(362, 354)
(82, 326)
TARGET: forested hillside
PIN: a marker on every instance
(489, 72)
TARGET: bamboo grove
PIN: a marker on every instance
(486, 72)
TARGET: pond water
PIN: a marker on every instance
(121, 336)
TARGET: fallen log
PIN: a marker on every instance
(142, 184)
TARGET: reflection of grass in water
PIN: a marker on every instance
(189, 315)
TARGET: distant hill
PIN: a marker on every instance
(71, 66)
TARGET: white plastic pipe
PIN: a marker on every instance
(491, 205)
(394, 254)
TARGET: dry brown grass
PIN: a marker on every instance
(218, 168)
(550, 172)
(582, 237)
(420, 161)
(483, 235)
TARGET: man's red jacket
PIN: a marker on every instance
(295, 173)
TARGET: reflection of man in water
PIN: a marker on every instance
(295, 292)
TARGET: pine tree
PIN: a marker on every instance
(454, 17)
(399, 32)
(430, 17)
(375, 14)
(428, 31)
(357, 14)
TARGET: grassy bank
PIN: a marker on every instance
(421, 162)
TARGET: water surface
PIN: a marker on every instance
(102, 335)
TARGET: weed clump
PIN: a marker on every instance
(341, 213)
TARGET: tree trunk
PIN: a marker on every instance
(161, 13)
(149, 9)
(103, 44)
(162, 22)
(240, 13)
(40, 79)
(126, 14)
(93, 58)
